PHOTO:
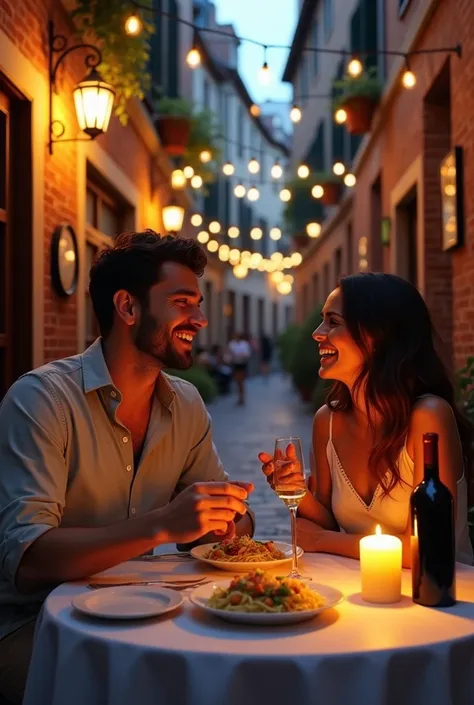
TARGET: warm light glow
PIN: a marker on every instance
(214, 227)
(245, 254)
(378, 530)
(256, 233)
(265, 75)
(178, 179)
(93, 99)
(196, 220)
(70, 256)
(253, 194)
(450, 190)
(253, 166)
(284, 288)
(276, 257)
(363, 246)
(262, 266)
(255, 110)
(269, 266)
(354, 68)
(338, 168)
(287, 262)
(240, 191)
(196, 181)
(277, 277)
(350, 180)
(313, 229)
(205, 156)
(317, 191)
(295, 114)
(303, 171)
(234, 256)
(212, 245)
(409, 79)
(340, 116)
(275, 233)
(133, 25)
(228, 168)
(240, 271)
(233, 231)
(224, 253)
(296, 259)
(188, 172)
(285, 195)
(193, 58)
(289, 278)
(173, 216)
(277, 170)
(256, 258)
(203, 237)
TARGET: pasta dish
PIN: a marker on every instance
(243, 549)
(260, 592)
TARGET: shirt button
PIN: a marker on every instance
(125, 439)
(113, 394)
(129, 468)
(133, 510)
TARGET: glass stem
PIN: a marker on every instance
(293, 539)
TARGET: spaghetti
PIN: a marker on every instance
(260, 592)
(243, 549)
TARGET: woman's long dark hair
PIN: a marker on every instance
(390, 323)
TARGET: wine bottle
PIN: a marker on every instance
(432, 536)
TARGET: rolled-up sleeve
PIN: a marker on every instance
(33, 475)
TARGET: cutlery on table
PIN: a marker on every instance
(175, 584)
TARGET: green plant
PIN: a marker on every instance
(302, 208)
(124, 58)
(201, 379)
(368, 85)
(305, 362)
(177, 107)
(286, 345)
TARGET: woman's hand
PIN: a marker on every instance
(288, 466)
(309, 536)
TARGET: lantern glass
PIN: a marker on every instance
(173, 216)
(93, 99)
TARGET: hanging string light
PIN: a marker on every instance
(295, 114)
(284, 288)
(275, 233)
(313, 229)
(277, 276)
(276, 170)
(338, 168)
(234, 256)
(261, 266)
(212, 245)
(256, 233)
(240, 191)
(193, 58)
(133, 25)
(303, 171)
(317, 191)
(276, 257)
(253, 166)
(287, 262)
(253, 194)
(289, 278)
(296, 259)
(224, 253)
(188, 171)
(205, 155)
(264, 74)
(233, 232)
(354, 67)
(350, 180)
(196, 181)
(255, 110)
(178, 179)
(203, 237)
(340, 116)
(285, 195)
(214, 227)
(196, 220)
(240, 271)
(228, 168)
(408, 78)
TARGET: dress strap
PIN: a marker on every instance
(330, 425)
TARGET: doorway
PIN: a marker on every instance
(407, 241)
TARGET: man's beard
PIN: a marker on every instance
(155, 341)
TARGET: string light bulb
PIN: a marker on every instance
(228, 168)
(265, 75)
(253, 166)
(354, 67)
(295, 114)
(224, 253)
(284, 288)
(408, 79)
(212, 245)
(285, 195)
(289, 278)
(296, 259)
(133, 25)
(317, 191)
(276, 170)
(234, 256)
(203, 237)
(255, 110)
(313, 229)
(196, 181)
(350, 180)
(277, 276)
(303, 171)
(214, 227)
(233, 232)
(287, 263)
(338, 168)
(193, 58)
(340, 116)
(240, 271)
(253, 194)
(188, 171)
(196, 220)
(275, 233)
(205, 155)
(240, 191)
(178, 179)
(256, 233)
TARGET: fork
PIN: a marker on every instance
(175, 584)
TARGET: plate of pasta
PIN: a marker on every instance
(260, 598)
(236, 554)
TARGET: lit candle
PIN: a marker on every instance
(381, 567)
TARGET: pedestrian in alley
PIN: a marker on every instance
(240, 353)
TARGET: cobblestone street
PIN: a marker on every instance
(272, 410)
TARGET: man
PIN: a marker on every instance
(102, 455)
(240, 354)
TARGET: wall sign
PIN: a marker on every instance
(452, 199)
(64, 260)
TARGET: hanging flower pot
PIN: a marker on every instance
(327, 188)
(360, 111)
(300, 241)
(173, 123)
(356, 101)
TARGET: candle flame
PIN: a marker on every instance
(378, 530)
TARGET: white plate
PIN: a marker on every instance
(200, 551)
(128, 602)
(201, 595)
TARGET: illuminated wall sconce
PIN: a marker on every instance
(93, 97)
(173, 216)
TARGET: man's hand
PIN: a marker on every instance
(202, 508)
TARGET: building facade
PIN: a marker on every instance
(392, 219)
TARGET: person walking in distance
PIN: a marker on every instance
(240, 352)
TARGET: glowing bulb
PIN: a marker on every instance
(245, 254)
(193, 58)
(178, 179)
(277, 277)
(188, 171)
(303, 171)
(450, 190)
(228, 169)
(295, 114)
(350, 180)
(277, 171)
(240, 271)
(205, 156)
(338, 168)
(285, 195)
(203, 237)
(256, 233)
(214, 227)
(196, 220)
(313, 229)
(233, 231)
(340, 116)
(261, 266)
(276, 257)
(223, 254)
(284, 288)
(253, 193)
(240, 191)
(296, 259)
(196, 181)
(287, 263)
(224, 248)
(275, 233)
(212, 245)
(265, 75)
(133, 25)
(270, 266)
(253, 166)
(256, 258)
(409, 79)
(354, 68)
(255, 110)
(234, 256)
(289, 278)
(317, 191)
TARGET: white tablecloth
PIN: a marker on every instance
(357, 654)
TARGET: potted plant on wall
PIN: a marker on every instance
(331, 188)
(300, 210)
(173, 122)
(358, 97)
(204, 135)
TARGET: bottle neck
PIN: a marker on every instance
(430, 456)
(431, 472)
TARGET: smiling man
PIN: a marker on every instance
(104, 456)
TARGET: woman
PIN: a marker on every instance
(377, 342)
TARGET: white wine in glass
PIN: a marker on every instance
(290, 485)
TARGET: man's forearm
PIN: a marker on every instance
(64, 554)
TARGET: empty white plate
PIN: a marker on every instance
(127, 602)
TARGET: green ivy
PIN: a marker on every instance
(367, 86)
(124, 58)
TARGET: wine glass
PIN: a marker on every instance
(289, 484)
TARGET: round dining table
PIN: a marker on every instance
(354, 654)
